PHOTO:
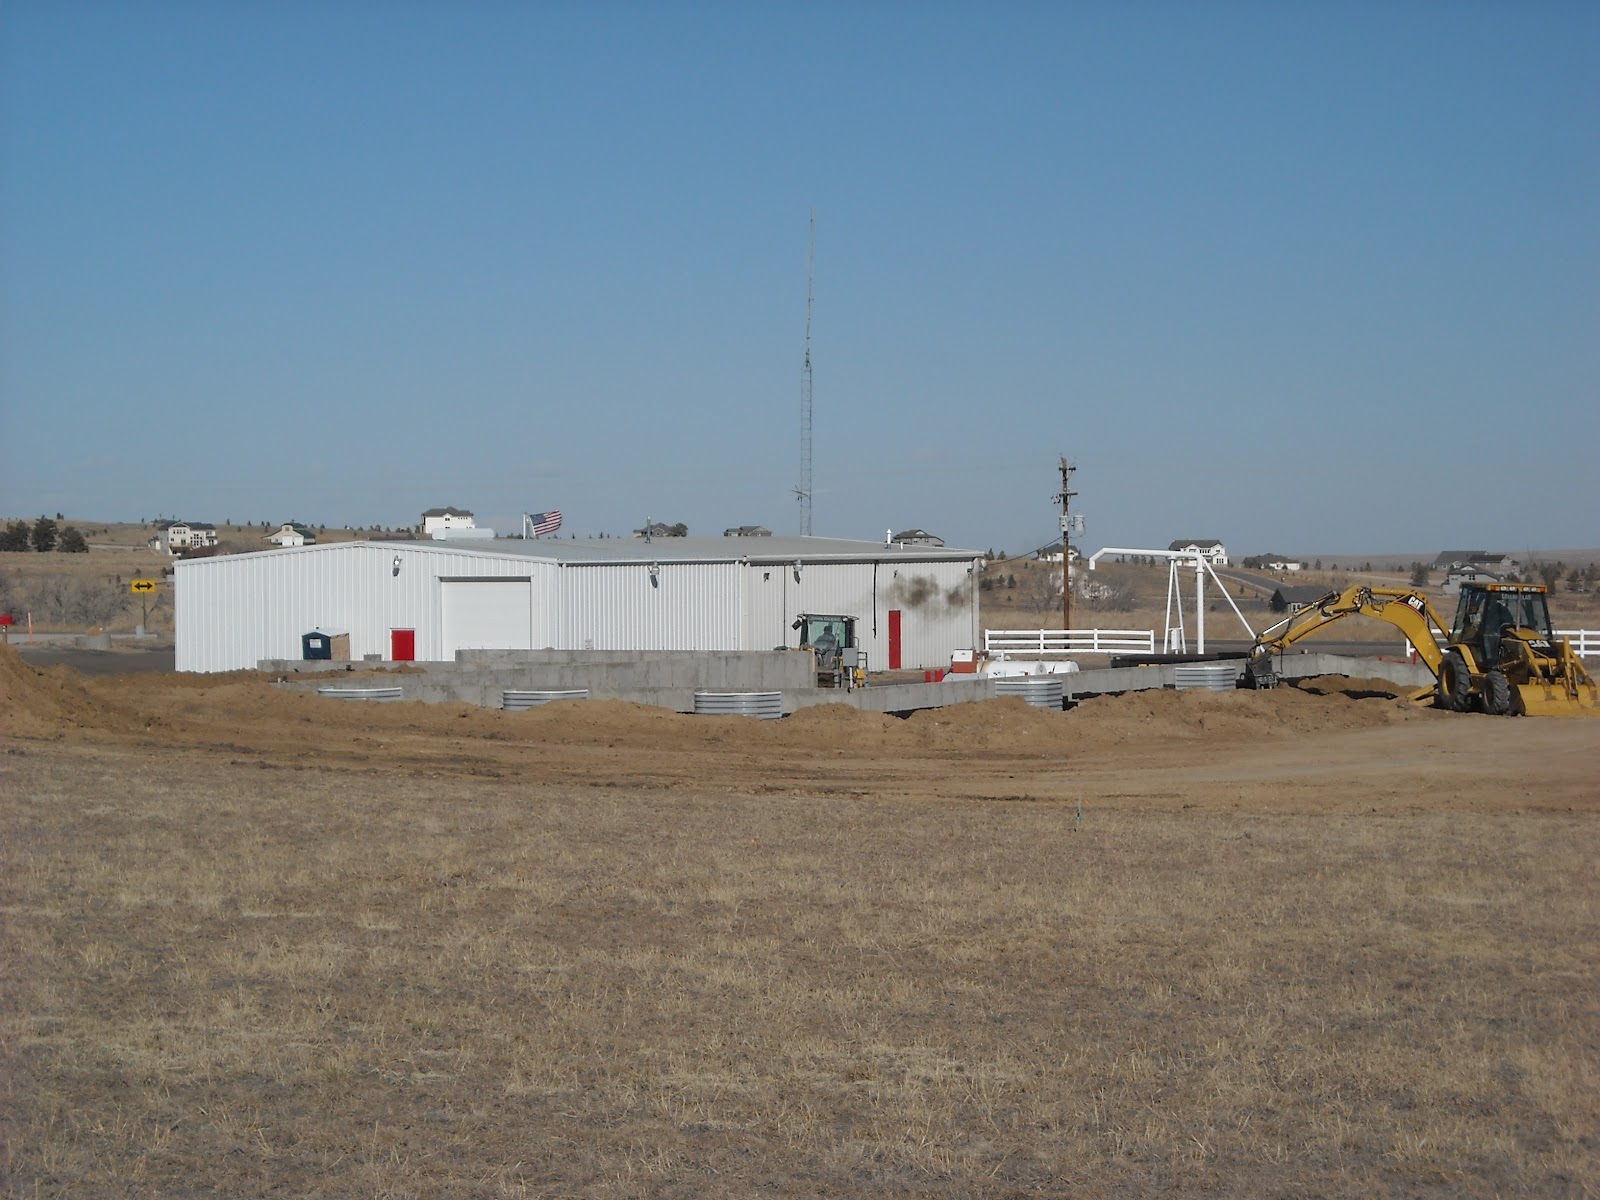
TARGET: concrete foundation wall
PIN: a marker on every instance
(669, 679)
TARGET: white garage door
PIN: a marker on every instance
(487, 614)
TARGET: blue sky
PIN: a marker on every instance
(1307, 278)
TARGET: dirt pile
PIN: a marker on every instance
(838, 726)
(1353, 688)
(245, 709)
(613, 722)
(50, 702)
(1229, 716)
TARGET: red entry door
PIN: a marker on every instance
(402, 645)
(894, 639)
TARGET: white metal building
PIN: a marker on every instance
(426, 600)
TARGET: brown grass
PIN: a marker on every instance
(1300, 944)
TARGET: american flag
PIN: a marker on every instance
(545, 522)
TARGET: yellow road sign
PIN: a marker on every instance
(143, 585)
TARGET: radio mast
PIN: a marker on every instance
(803, 491)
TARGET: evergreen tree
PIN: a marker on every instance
(72, 541)
(44, 535)
(14, 537)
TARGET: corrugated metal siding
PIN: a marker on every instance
(690, 606)
(932, 627)
(231, 612)
(235, 610)
(938, 612)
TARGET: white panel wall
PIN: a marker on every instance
(937, 601)
(233, 611)
(684, 606)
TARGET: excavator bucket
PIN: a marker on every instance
(1556, 698)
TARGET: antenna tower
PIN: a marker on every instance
(803, 491)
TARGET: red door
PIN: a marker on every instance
(402, 645)
(894, 639)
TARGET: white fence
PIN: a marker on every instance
(1585, 642)
(1068, 641)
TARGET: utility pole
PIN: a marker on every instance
(803, 491)
(1064, 496)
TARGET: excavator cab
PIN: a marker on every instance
(1483, 615)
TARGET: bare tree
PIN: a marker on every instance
(65, 600)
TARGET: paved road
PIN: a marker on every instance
(1266, 583)
(99, 662)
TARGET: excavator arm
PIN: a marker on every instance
(1408, 611)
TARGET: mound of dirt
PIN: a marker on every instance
(1226, 716)
(245, 709)
(837, 726)
(51, 702)
(1006, 723)
(1354, 688)
(614, 722)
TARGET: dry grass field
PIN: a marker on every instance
(1303, 943)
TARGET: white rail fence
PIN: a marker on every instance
(1068, 641)
(1585, 642)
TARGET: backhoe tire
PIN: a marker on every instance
(1496, 693)
(1455, 684)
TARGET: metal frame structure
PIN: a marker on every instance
(1175, 640)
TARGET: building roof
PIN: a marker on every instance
(780, 550)
(447, 511)
(1449, 558)
(185, 524)
(1203, 543)
(747, 531)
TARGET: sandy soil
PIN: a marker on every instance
(1331, 743)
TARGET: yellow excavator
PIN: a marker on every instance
(1501, 655)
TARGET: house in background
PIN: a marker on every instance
(662, 530)
(747, 531)
(1051, 552)
(1209, 548)
(175, 537)
(292, 533)
(1483, 560)
(1293, 599)
(1456, 576)
(915, 537)
(437, 520)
